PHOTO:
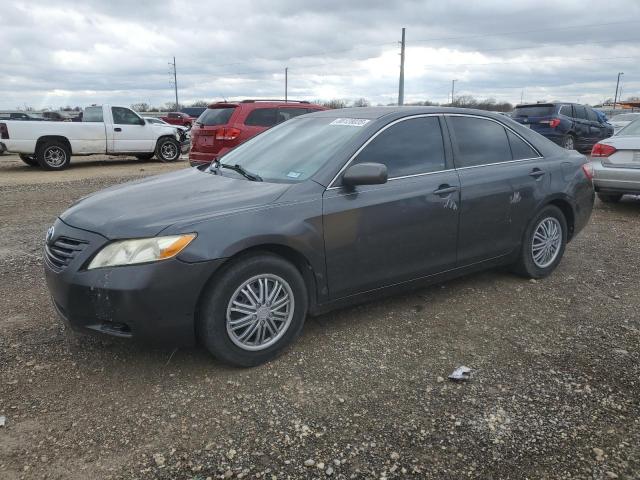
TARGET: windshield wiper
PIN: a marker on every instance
(254, 177)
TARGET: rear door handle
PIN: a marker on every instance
(445, 190)
(117, 129)
(536, 173)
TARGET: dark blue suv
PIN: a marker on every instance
(570, 125)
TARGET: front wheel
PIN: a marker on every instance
(610, 197)
(168, 149)
(253, 310)
(29, 160)
(543, 244)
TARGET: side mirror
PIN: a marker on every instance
(142, 122)
(365, 174)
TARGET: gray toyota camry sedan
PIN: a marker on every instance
(324, 210)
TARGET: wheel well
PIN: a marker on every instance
(288, 253)
(57, 138)
(567, 211)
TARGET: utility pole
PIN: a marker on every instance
(175, 81)
(453, 89)
(615, 97)
(401, 82)
(286, 83)
(522, 97)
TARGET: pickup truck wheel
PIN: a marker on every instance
(53, 155)
(145, 156)
(168, 149)
(29, 160)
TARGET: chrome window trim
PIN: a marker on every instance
(502, 125)
(444, 114)
(344, 167)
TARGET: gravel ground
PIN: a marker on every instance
(362, 394)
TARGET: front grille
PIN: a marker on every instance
(60, 253)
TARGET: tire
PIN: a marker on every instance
(145, 156)
(53, 155)
(540, 267)
(29, 160)
(168, 149)
(569, 142)
(610, 197)
(215, 330)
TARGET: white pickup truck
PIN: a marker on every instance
(104, 129)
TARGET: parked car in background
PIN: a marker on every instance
(225, 125)
(616, 164)
(104, 129)
(622, 120)
(56, 116)
(193, 112)
(178, 118)
(570, 125)
(321, 211)
(20, 116)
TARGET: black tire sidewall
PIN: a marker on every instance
(42, 149)
(159, 149)
(212, 329)
(29, 160)
(526, 264)
(145, 156)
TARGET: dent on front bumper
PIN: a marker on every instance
(153, 302)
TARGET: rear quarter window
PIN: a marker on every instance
(566, 110)
(262, 117)
(92, 114)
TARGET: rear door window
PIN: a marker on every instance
(92, 114)
(479, 141)
(285, 114)
(262, 117)
(519, 148)
(408, 147)
(215, 116)
(580, 112)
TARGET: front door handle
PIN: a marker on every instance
(536, 173)
(445, 190)
(117, 129)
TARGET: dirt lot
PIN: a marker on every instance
(363, 394)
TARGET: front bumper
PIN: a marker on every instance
(154, 302)
(615, 179)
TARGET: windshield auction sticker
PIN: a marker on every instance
(350, 122)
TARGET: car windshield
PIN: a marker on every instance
(534, 111)
(632, 129)
(294, 150)
(626, 117)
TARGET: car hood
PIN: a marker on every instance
(145, 207)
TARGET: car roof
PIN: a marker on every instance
(373, 113)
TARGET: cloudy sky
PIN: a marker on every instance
(71, 52)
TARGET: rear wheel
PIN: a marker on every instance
(29, 160)
(610, 197)
(543, 244)
(569, 142)
(168, 149)
(53, 155)
(253, 310)
(145, 156)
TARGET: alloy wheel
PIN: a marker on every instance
(259, 312)
(547, 239)
(55, 157)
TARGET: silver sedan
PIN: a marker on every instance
(616, 164)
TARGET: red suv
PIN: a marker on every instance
(178, 118)
(224, 126)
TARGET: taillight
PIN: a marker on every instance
(553, 123)
(602, 150)
(587, 168)
(4, 131)
(227, 133)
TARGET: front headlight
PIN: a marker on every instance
(142, 250)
